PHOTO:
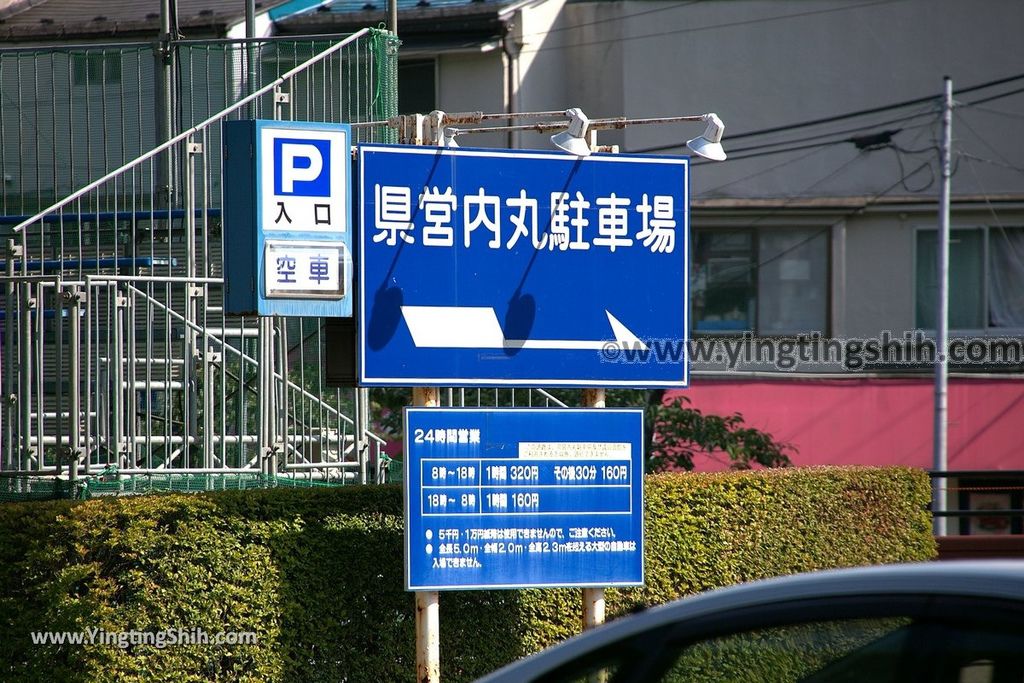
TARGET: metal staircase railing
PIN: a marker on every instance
(116, 352)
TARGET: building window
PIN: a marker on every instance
(96, 68)
(986, 278)
(416, 86)
(767, 281)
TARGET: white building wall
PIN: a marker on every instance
(879, 282)
(761, 64)
(472, 82)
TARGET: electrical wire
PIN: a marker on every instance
(617, 18)
(744, 272)
(798, 148)
(770, 169)
(993, 110)
(872, 200)
(697, 29)
(904, 176)
(991, 148)
(873, 110)
(817, 136)
(1014, 253)
(869, 202)
(973, 157)
(993, 97)
(736, 156)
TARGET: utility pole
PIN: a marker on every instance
(250, 53)
(164, 56)
(940, 463)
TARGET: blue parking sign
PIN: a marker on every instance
(287, 218)
(522, 268)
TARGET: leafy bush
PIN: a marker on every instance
(316, 574)
(680, 432)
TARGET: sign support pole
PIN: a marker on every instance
(593, 598)
(428, 623)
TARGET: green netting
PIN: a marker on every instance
(109, 484)
(39, 488)
(385, 95)
(395, 469)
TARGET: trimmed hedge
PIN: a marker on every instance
(317, 574)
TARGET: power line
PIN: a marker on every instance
(769, 152)
(994, 97)
(620, 17)
(763, 171)
(1000, 112)
(698, 29)
(974, 157)
(755, 266)
(990, 147)
(734, 156)
(999, 224)
(867, 112)
(789, 145)
(808, 138)
(873, 199)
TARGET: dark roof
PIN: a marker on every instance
(33, 20)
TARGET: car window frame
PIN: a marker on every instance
(650, 653)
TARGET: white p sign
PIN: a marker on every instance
(305, 172)
(304, 177)
(301, 167)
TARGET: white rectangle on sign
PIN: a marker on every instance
(577, 450)
(304, 270)
(304, 180)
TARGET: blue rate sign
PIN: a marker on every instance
(519, 498)
(485, 268)
(287, 218)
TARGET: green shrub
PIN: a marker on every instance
(316, 574)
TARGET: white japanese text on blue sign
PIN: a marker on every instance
(500, 267)
(506, 498)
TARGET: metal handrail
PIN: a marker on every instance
(961, 513)
(199, 329)
(20, 228)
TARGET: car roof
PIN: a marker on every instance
(999, 579)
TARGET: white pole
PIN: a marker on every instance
(942, 318)
(428, 622)
(593, 598)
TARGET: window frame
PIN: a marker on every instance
(652, 652)
(824, 228)
(420, 60)
(986, 257)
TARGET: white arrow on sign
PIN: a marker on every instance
(477, 327)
